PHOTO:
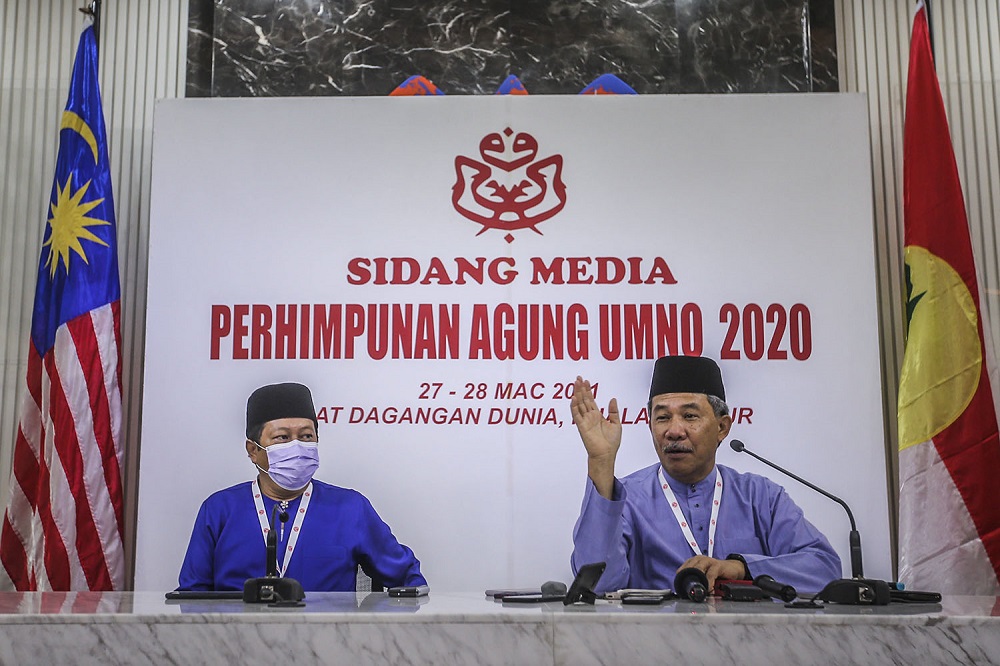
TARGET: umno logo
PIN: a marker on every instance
(507, 188)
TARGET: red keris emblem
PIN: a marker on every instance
(508, 190)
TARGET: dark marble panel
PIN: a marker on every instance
(561, 46)
(823, 43)
(278, 48)
(745, 46)
(462, 46)
(201, 22)
(367, 47)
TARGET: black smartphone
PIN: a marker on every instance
(204, 594)
(536, 598)
(582, 587)
(409, 591)
(513, 592)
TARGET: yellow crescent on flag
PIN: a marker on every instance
(944, 358)
(74, 122)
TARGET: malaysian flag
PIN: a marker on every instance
(63, 526)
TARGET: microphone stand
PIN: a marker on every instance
(273, 589)
(855, 536)
(857, 590)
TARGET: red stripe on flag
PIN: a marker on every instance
(25, 463)
(33, 378)
(25, 467)
(15, 539)
(16, 535)
(67, 446)
(14, 556)
(53, 556)
(85, 338)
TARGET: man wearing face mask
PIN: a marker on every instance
(324, 532)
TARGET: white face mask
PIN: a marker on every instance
(291, 465)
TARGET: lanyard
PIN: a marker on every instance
(296, 524)
(682, 522)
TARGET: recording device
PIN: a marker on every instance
(773, 588)
(858, 590)
(737, 590)
(691, 584)
(273, 589)
(409, 591)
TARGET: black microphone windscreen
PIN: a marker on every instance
(773, 588)
(554, 588)
(691, 583)
(736, 445)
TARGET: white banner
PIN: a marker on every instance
(438, 271)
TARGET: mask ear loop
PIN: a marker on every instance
(262, 470)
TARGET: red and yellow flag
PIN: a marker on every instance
(949, 450)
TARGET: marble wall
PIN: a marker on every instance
(240, 48)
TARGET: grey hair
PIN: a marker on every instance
(719, 406)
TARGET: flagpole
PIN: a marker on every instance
(930, 29)
(93, 10)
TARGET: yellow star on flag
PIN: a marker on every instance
(69, 223)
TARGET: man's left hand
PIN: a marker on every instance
(716, 569)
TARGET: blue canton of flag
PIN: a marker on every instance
(63, 526)
(80, 232)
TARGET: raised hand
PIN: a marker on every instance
(602, 436)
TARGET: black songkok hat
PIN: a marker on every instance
(686, 374)
(279, 401)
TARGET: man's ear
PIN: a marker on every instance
(251, 447)
(725, 425)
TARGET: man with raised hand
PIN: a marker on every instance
(685, 510)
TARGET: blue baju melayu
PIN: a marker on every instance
(638, 536)
(339, 531)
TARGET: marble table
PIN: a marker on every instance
(371, 628)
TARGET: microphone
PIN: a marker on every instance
(271, 546)
(855, 536)
(691, 584)
(773, 588)
(553, 588)
(283, 517)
